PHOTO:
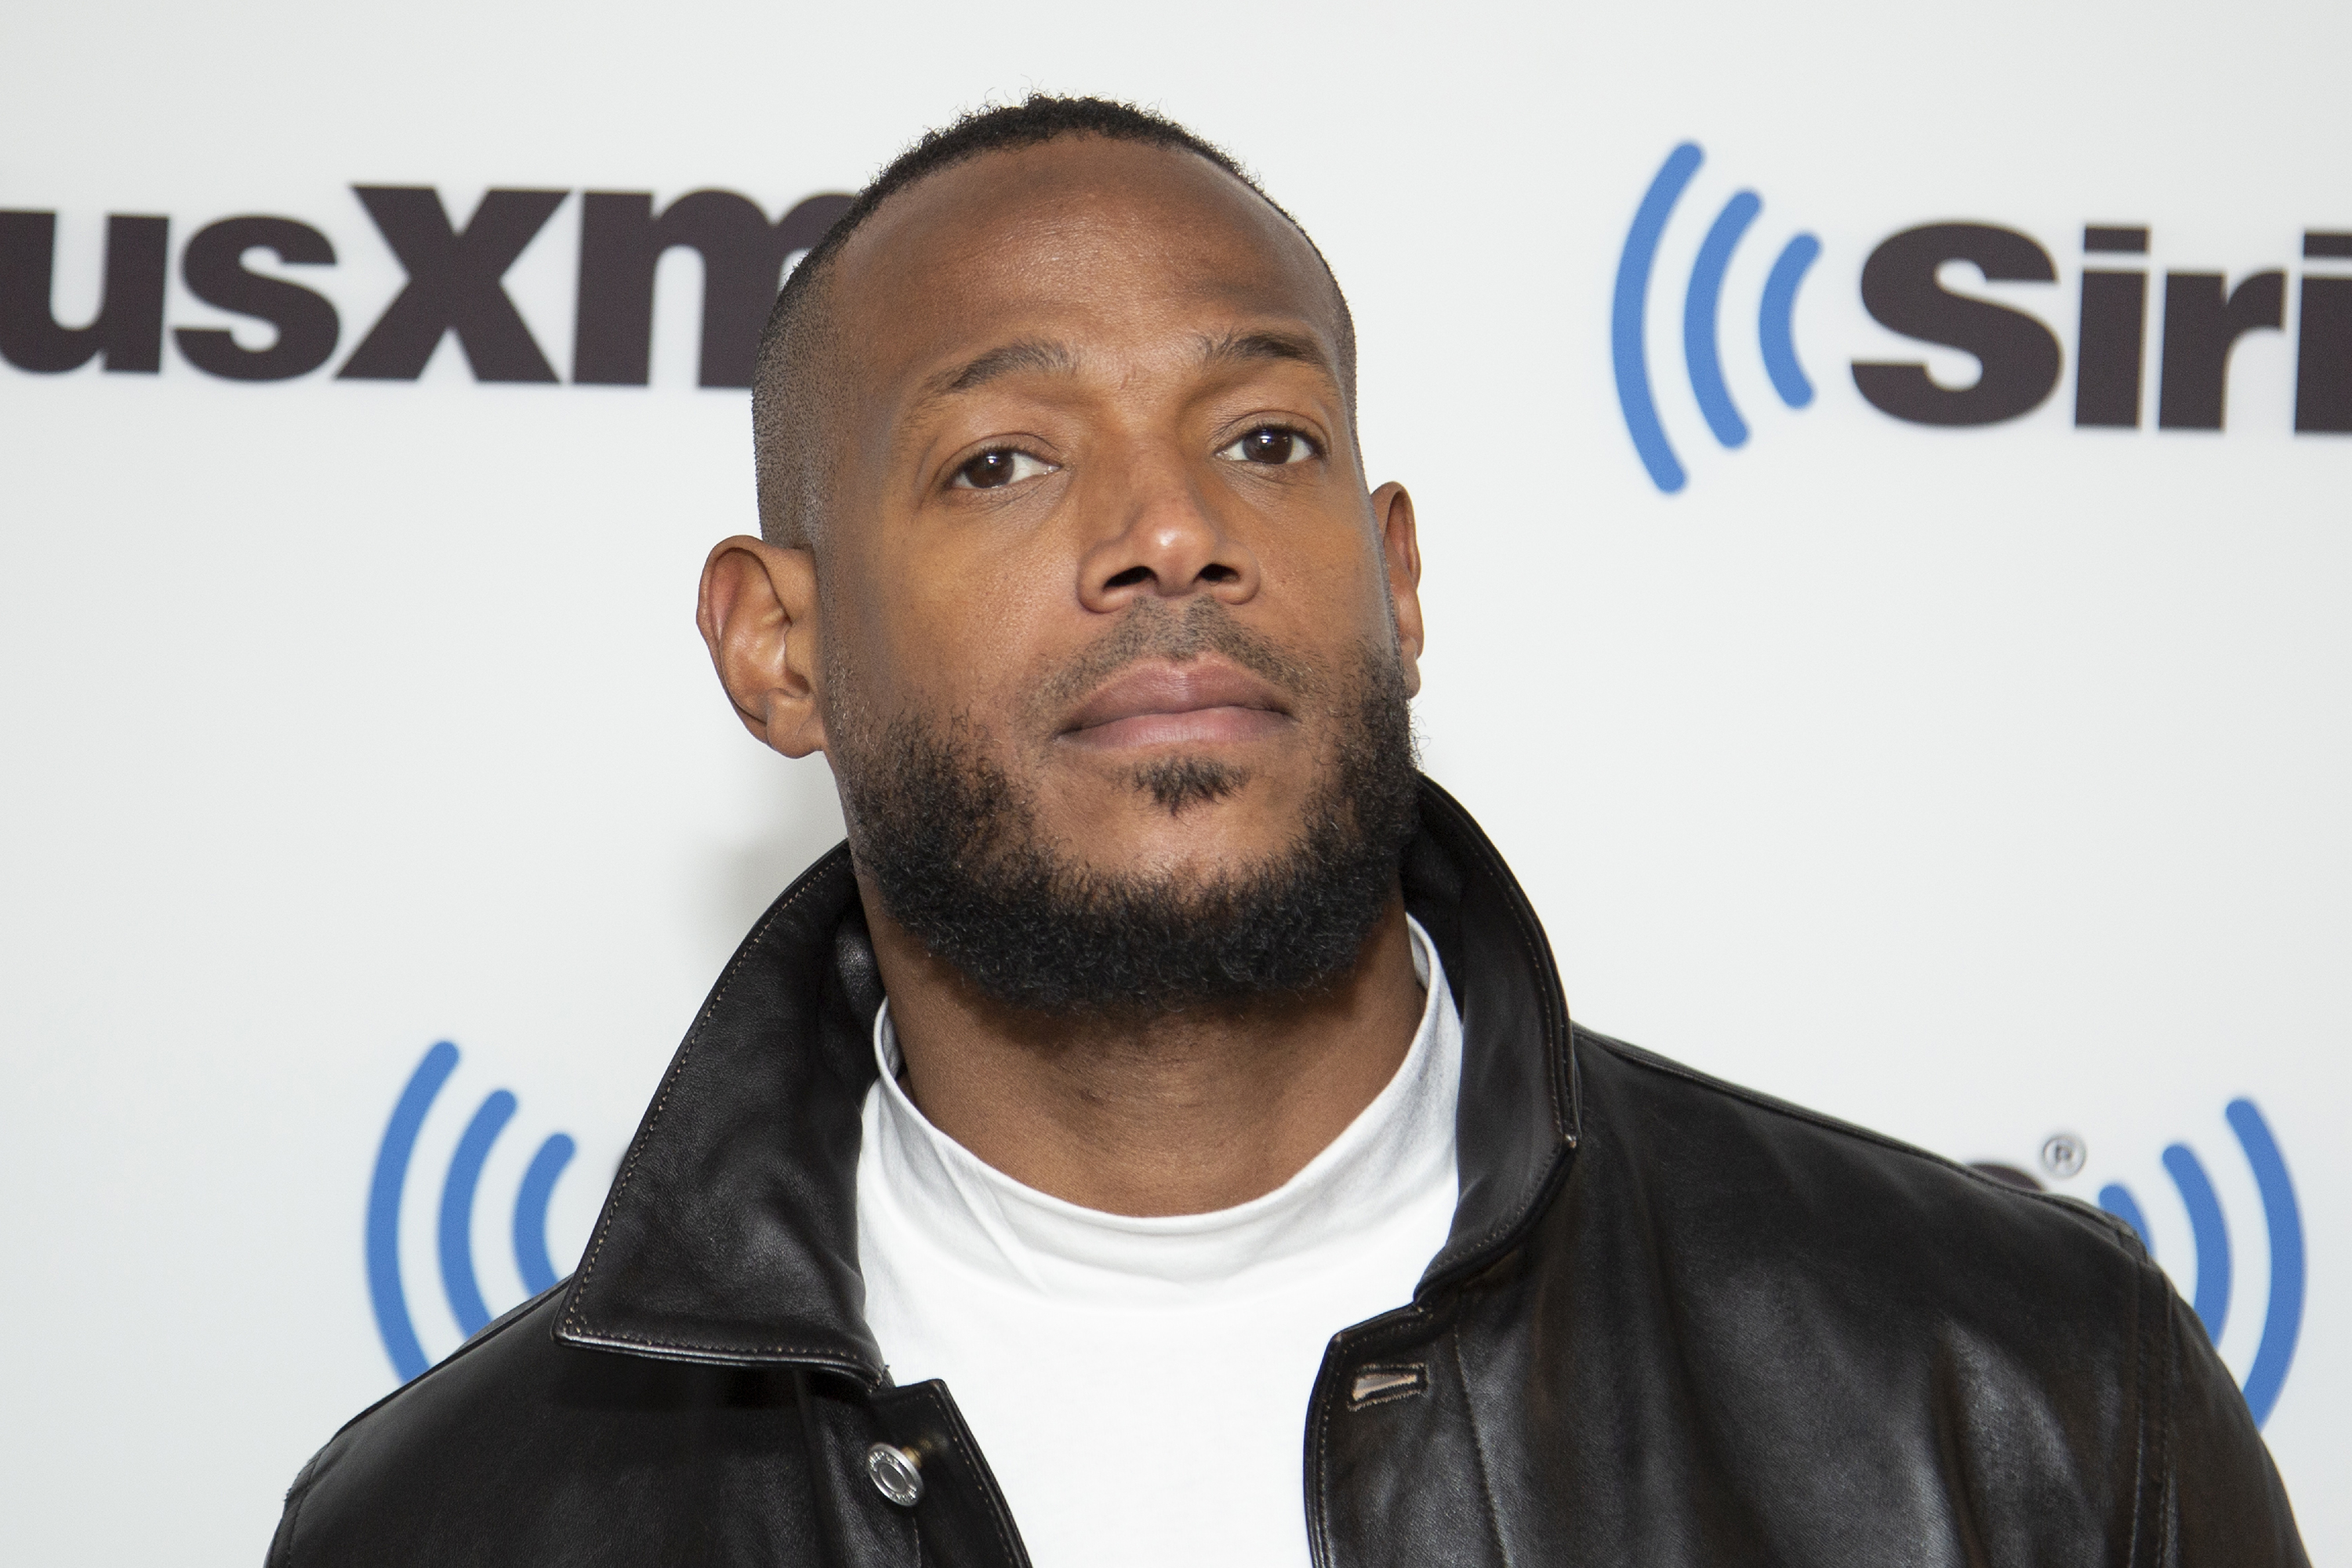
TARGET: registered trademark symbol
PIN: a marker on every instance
(2063, 1154)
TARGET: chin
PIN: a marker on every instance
(1186, 785)
(1163, 807)
(1200, 840)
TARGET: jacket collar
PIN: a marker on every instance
(730, 1234)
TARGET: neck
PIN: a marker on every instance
(1180, 1113)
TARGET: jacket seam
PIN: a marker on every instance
(1644, 1061)
(1318, 1523)
(817, 1456)
(293, 1528)
(1013, 1555)
(815, 1354)
(1478, 1452)
(2141, 1441)
(2168, 1352)
(489, 1331)
(572, 1306)
(295, 1496)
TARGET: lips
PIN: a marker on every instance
(1203, 701)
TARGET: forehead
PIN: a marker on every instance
(1068, 239)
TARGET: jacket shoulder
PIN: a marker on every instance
(518, 1448)
(411, 1444)
(1797, 1233)
(1856, 1307)
(1845, 1187)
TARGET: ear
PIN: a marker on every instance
(757, 611)
(1401, 554)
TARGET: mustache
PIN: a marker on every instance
(1150, 630)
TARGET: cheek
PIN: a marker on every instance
(965, 631)
(1332, 586)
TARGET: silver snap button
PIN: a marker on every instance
(897, 1473)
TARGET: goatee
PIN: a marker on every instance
(951, 844)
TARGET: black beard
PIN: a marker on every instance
(951, 845)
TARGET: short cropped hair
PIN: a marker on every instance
(793, 379)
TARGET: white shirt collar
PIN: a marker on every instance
(1396, 1148)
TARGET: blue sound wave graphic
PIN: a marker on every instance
(1702, 312)
(386, 1290)
(2282, 1216)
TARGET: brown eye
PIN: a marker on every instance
(1272, 445)
(994, 470)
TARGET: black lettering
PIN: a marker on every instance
(453, 285)
(129, 327)
(2201, 327)
(743, 256)
(2111, 336)
(2019, 356)
(214, 267)
(2323, 358)
(2109, 348)
(2116, 240)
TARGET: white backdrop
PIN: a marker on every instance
(1979, 785)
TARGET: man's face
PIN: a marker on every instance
(1096, 514)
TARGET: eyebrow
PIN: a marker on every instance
(1008, 359)
(1041, 356)
(1242, 347)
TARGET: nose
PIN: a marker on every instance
(1166, 541)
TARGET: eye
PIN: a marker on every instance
(1271, 443)
(994, 470)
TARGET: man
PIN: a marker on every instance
(1158, 1136)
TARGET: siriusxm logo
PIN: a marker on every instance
(1702, 303)
(455, 1230)
(455, 286)
(2063, 1156)
(2203, 318)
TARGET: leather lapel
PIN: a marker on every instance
(730, 1234)
(1519, 1113)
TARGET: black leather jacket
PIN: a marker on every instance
(1675, 1323)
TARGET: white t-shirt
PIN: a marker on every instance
(1139, 1386)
